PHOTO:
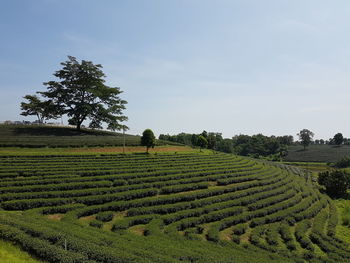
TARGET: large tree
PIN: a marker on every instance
(305, 137)
(81, 93)
(43, 110)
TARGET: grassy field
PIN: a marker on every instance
(12, 254)
(317, 153)
(164, 207)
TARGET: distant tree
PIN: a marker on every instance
(321, 141)
(41, 109)
(82, 94)
(286, 139)
(194, 139)
(225, 145)
(336, 182)
(148, 139)
(213, 139)
(338, 139)
(305, 137)
(204, 134)
(202, 142)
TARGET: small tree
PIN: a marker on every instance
(43, 110)
(202, 142)
(305, 137)
(336, 182)
(148, 139)
(338, 139)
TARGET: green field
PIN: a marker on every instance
(183, 207)
(317, 153)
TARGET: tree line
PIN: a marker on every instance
(251, 145)
(256, 145)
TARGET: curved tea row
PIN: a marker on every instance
(123, 200)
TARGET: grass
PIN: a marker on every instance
(317, 153)
(12, 254)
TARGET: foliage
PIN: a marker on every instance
(202, 141)
(148, 139)
(44, 110)
(338, 139)
(104, 216)
(82, 94)
(305, 137)
(343, 162)
(256, 145)
(335, 182)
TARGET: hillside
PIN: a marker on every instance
(165, 208)
(317, 153)
(53, 136)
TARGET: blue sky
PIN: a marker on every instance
(271, 67)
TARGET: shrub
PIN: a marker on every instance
(96, 223)
(343, 163)
(104, 216)
(336, 182)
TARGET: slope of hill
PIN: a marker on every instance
(53, 136)
(317, 153)
(164, 208)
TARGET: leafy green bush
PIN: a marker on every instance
(96, 223)
(343, 163)
(104, 216)
(336, 182)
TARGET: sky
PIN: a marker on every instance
(230, 66)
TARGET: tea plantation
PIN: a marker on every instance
(36, 136)
(188, 207)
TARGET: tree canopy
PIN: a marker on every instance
(35, 106)
(80, 93)
(305, 137)
(202, 142)
(336, 182)
(338, 138)
(148, 139)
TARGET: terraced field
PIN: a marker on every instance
(36, 136)
(165, 208)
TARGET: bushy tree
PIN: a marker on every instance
(305, 137)
(148, 139)
(202, 142)
(81, 93)
(338, 139)
(335, 182)
(43, 110)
